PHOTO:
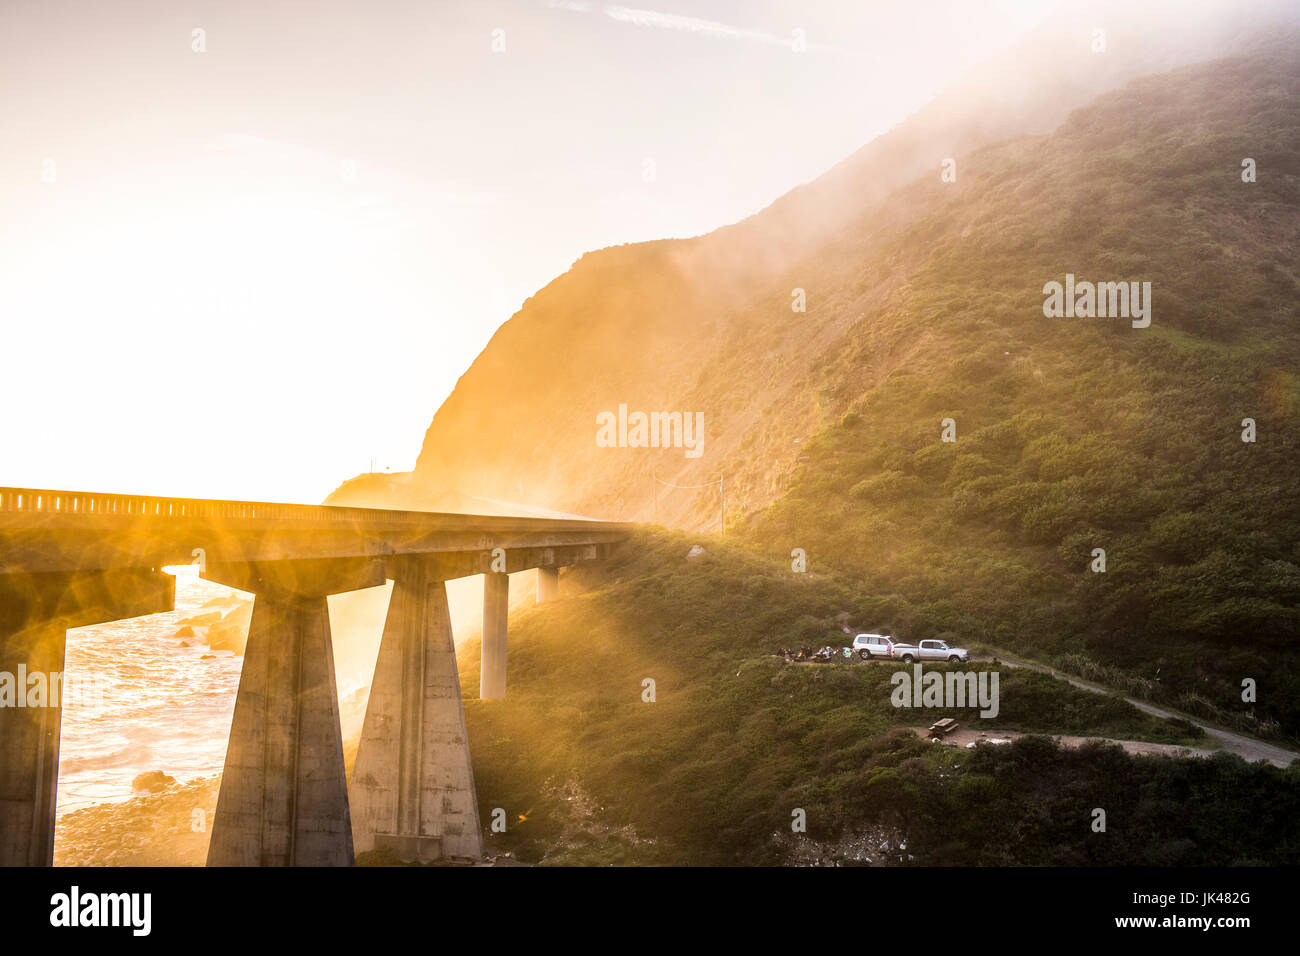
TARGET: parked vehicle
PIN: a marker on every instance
(871, 646)
(932, 650)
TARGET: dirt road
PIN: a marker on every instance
(1246, 747)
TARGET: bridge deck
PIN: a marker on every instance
(43, 530)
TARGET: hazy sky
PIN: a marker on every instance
(245, 272)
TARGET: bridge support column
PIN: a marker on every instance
(412, 788)
(29, 747)
(36, 611)
(548, 585)
(496, 609)
(284, 799)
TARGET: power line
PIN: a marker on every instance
(656, 481)
(709, 484)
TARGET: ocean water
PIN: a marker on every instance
(156, 705)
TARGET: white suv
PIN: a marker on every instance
(873, 645)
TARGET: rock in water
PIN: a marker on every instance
(231, 632)
(154, 781)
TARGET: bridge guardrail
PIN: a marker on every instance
(93, 504)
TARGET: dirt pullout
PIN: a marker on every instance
(960, 738)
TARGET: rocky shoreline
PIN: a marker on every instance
(167, 828)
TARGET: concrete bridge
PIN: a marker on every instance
(69, 559)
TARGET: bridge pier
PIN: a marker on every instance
(29, 749)
(548, 585)
(412, 787)
(496, 609)
(36, 612)
(284, 797)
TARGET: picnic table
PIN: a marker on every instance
(942, 728)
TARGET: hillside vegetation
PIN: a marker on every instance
(736, 740)
(1078, 434)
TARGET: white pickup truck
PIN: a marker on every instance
(930, 650)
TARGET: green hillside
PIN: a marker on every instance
(1076, 433)
(1072, 434)
(736, 740)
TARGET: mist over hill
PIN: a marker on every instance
(667, 325)
(924, 304)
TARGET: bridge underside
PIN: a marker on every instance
(284, 797)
